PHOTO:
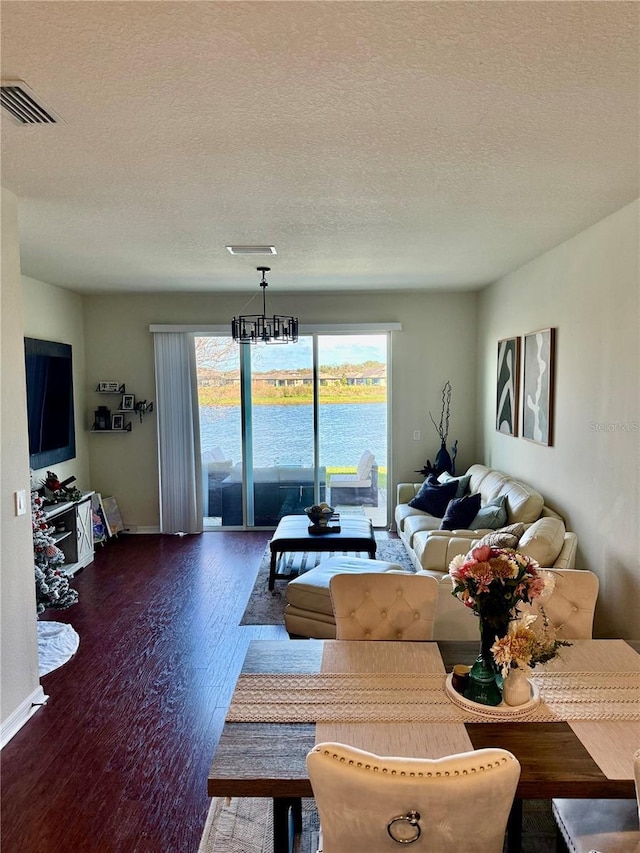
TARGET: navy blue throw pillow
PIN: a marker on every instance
(433, 497)
(460, 512)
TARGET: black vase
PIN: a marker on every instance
(443, 460)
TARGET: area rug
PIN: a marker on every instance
(246, 826)
(266, 607)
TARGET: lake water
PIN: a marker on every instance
(283, 435)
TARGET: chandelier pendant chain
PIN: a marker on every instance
(258, 328)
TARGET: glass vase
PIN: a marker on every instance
(484, 679)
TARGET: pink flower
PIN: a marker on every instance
(481, 554)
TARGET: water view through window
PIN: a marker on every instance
(308, 435)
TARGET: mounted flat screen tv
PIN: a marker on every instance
(52, 436)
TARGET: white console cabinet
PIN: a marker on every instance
(73, 526)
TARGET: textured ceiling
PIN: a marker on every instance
(377, 145)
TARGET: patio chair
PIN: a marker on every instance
(457, 804)
(359, 489)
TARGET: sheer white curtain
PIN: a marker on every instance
(178, 433)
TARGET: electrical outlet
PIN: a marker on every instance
(416, 435)
(21, 502)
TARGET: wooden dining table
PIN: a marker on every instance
(392, 699)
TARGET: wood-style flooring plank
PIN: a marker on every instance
(117, 761)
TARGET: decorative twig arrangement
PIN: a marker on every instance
(443, 427)
(443, 462)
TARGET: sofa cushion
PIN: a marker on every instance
(505, 537)
(543, 541)
(523, 503)
(493, 515)
(351, 481)
(460, 512)
(462, 482)
(416, 523)
(433, 497)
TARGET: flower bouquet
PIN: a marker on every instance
(520, 650)
(493, 582)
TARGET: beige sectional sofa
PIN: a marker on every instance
(431, 550)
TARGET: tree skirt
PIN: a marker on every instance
(267, 608)
(57, 642)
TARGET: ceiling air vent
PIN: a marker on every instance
(252, 250)
(24, 106)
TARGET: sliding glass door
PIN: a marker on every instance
(352, 422)
(282, 427)
(219, 403)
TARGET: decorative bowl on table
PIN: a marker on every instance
(319, 514)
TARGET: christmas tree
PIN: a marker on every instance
(52, 586)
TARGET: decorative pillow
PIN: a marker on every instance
(543, 541)
(463, 482)
(493, 515)
(460, 512)
(433, 496)
(506, 537)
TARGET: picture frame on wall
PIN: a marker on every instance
(117, 421)
(508, 386)
(538, 386)
(128, 402)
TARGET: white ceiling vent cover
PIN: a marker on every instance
(23, 105)
(252, 250)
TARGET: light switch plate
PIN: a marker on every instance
(21, 502)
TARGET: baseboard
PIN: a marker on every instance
(136, 530)
(22, 713)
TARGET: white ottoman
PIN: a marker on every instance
(309, 612)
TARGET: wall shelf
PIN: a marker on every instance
(125, 428)
(105, 418)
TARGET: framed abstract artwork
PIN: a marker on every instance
(537, 396)
(508, 386)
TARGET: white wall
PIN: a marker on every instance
(438, 342)
(588, 289)
(19, 675)
(32, 309)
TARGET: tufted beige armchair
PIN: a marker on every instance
(570, 607)
(368, 802)
(387, 606)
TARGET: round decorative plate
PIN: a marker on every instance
(501, 711)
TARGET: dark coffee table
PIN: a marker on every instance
(292, 534)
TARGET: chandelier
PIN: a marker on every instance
(258, 328)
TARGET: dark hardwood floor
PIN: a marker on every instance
(117, 760)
